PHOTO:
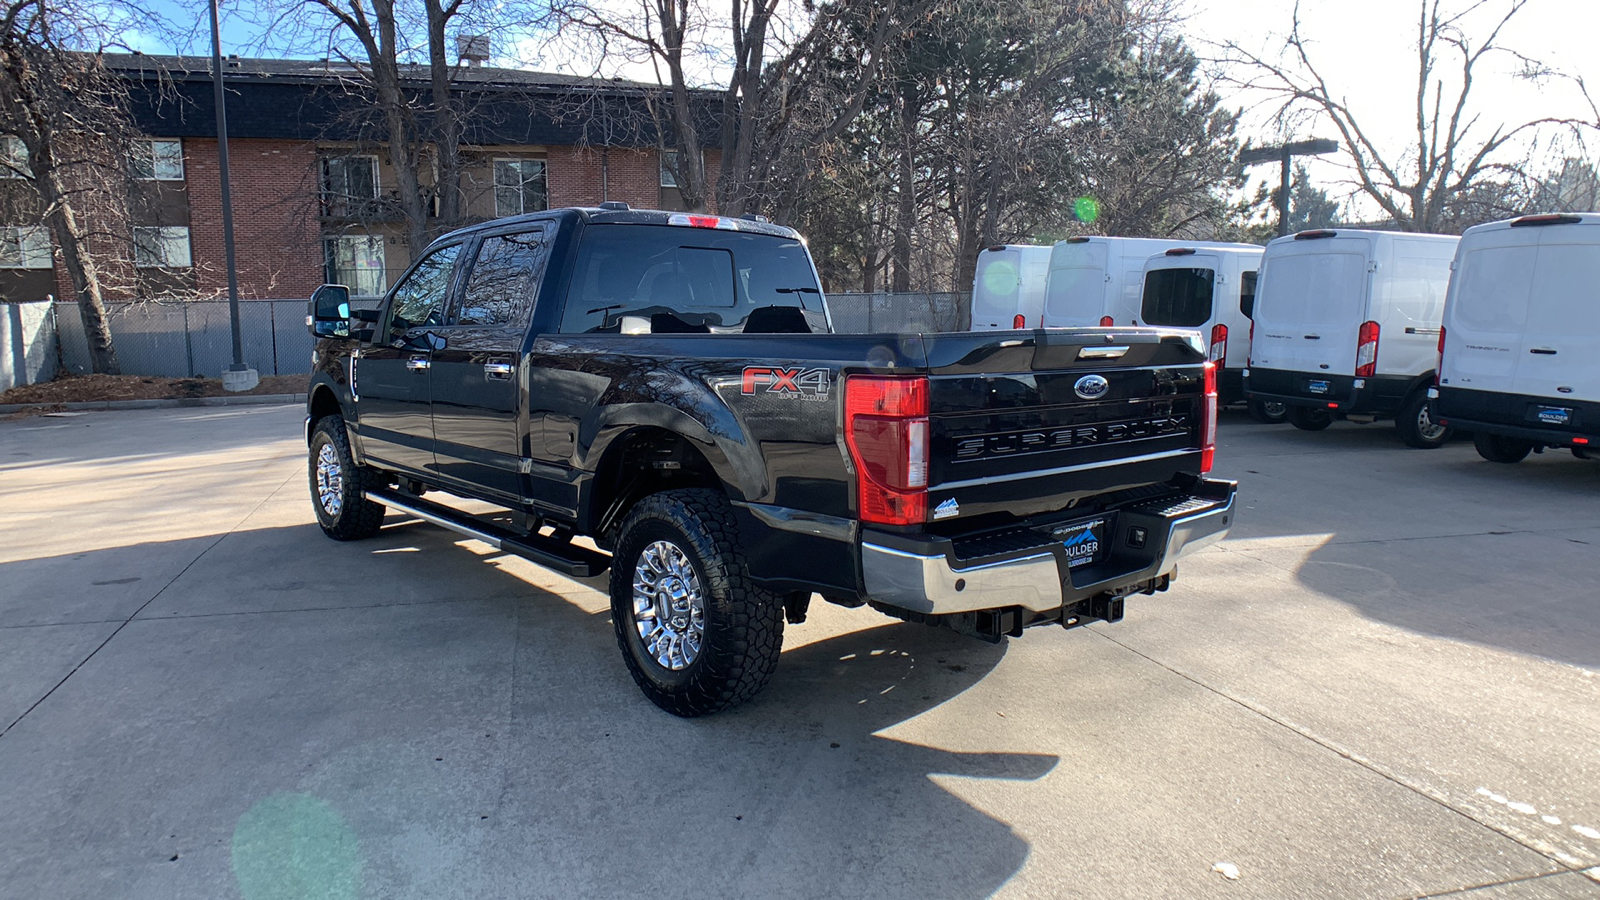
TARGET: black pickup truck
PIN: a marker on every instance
(668, 386)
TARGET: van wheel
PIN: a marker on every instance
(338, 485)
(1501, 449)
(1268, 412)
(1309, 418)
(1415, 424)
(697, 635)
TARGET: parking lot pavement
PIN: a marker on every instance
(1383, 685)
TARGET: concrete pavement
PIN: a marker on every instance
(1383, 685)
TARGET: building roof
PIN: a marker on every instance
(323, 100)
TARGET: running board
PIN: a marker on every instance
(558, 556)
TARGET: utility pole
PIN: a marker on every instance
(1282, 155)
(239, 377)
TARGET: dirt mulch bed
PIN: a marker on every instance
(92, 388)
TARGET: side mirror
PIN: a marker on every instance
(328, 312)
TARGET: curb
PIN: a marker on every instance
(247, 400)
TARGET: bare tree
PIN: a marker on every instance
(800, 74)
(68, 113)
(1454, 149)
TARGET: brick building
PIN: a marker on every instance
(314, 195)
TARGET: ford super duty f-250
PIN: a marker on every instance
(668, 386)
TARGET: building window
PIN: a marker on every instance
(669, 167)
(25, 247)
(349, 185)
(13, 158)
(519, 186)
(356, 261)
(157, 160)
(163, 247)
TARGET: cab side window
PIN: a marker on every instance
(504, 281)
(418, 301)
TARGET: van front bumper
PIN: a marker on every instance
(925, 574)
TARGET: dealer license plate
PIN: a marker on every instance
(1319, 387)
(1085, 542)
(1554, 415)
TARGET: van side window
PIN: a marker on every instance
(1247, 294)
(504, 281)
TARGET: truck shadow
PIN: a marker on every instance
(476, 734)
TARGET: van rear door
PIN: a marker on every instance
(1487, 309)
(1310, 302)
(1075, 294)
(996, 287)
(1561, 338)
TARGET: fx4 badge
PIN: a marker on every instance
(801, 384)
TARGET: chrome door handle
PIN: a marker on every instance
(500, 370)
(418, 363)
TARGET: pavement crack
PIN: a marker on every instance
(153, 597)
(1566, 861)
(1456, 892)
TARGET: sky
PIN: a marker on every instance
(1366, 50)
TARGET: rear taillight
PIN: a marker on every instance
(1019, 322)
(1106, 322)
(1219, 345)
(1367, 350)
(1439, 366)
(1208, 420)
(886, 429)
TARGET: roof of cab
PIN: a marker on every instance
(599, 216)
(1543, 219)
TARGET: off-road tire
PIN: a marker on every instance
(1309, 418)
(357, 517)
(743, 629)
(1501, 449)
(1263, 411)
(1408, 423)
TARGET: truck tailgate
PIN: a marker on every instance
(1035, 421)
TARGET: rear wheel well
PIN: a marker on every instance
(642, 462)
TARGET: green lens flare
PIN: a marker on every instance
(1001, 278)
(293, 846)
(1086, 209)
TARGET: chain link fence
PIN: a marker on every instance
(883, 312)
(194, 338)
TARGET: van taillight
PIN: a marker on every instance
(1219, 345)
(1019, 322)
(886, 429)
(1439, 366)
(1208, 420)
(1367, 350)
(1106, 322)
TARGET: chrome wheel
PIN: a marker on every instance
(330, 481)
(1426, 427)
(669, 607)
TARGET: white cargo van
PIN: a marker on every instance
(1008, 286)
(1211, 288)
(1347, 324)
(1520, 351)
(1099, 280)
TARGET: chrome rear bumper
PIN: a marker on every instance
(931, 580)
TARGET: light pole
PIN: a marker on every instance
(239, 377)
(1281, 155)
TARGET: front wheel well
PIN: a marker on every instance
(639, 463)
(323, 404)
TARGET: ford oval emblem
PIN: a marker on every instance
(1092, 387)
